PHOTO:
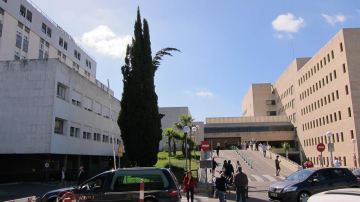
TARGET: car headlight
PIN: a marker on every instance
(291, 188)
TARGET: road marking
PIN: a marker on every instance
(257, 178)
(271, 179)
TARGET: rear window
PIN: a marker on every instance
(129, 180)
(340, 173)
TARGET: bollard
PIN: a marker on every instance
(141, 198)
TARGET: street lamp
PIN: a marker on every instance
(186, 130)
(329, 134)
(354, 141)
(193, 131)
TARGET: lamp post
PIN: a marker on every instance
(186, 130)
(355, 163)
(329, 134)
(193, 131)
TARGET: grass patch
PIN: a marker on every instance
(177, 164)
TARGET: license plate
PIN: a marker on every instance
(273, 194)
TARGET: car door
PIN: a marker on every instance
(93, 189)
(319, 181)
(340, 178)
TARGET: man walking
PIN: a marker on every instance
(241, 183)
(220, 184)
(277, 165)
(263, 147)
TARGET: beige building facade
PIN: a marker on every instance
(319, 96)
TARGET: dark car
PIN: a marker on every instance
(356, 172)
(302, 184)
(124, 185)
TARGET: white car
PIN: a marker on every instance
(336, 195)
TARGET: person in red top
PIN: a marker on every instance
(308, 164)
(189, 184)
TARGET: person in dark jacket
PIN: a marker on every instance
(241, 183)
(81, 175)
(214, 165)
(229, 171)
(220, 184)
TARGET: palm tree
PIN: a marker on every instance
(286, 147)
(169, 133)
(185, 120)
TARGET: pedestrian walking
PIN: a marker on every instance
(224, 167)
(81, 175)
(62, 177)
(241, 184)
(229, 171)
(220, 184)
(337, 163)
(214, 165)
(277, 165)
(189, 184)
(264, 149)
(217, 150)
(237, 165)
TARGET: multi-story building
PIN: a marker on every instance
(53, 110)
(319, 96)
(27, 33)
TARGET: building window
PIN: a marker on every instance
(29, 15)
(332, 54)
(43, 28)
(86, 135)
(77, 55)
(349, 111)
(344, 68)
(61, 91)
(48, 32)
(339, 113)
(346, 90)
(22, 10)
(342, 136)
(18, 40)
(76, 102)
(17, 56)
(25, 44)
(341, 47)
(74, 132)
(59, 126)
(61, 42)
(352, 134)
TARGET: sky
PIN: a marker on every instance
(225, 45)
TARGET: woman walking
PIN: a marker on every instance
(189, 183)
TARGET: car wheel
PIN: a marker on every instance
(303, 196)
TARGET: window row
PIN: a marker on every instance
(87, 103)
(75, 131)
(326, 162)
(330, 118)
(316, 68)
(320, 103)
(336, 137)
(315, 87)
(289, 91)
(46, 29)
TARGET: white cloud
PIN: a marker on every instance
(204, 93)
(333, 19)
(105, 42)
(288, 23)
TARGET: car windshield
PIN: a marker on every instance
(300, 175)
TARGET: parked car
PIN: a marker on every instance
(356, 172)
(348, 195)
(124, 185)
(300, 185)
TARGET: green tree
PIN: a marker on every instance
(185, 120)
(139, 119)
(170, 133)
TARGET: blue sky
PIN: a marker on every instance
(226, 45)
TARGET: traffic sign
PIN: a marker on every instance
(205, 145)
(320, 147)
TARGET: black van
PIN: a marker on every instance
(301, 184)
(124, 185)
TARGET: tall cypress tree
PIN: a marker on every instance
(139, 119)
